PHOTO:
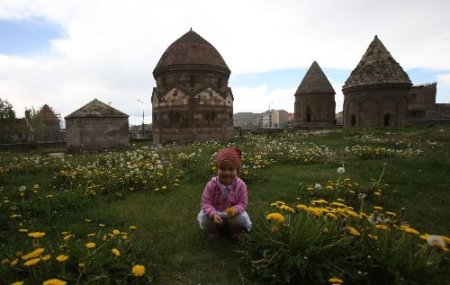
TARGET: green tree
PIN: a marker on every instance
(35, 125)
(6, 110)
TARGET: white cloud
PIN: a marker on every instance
(111, 47)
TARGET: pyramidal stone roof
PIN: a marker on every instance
(97, 109)
(190, 49)
(377, 66)
(315, 81)
(48, 116)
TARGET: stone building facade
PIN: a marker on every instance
(377, 91)
(191, 100)
(314, 99)
(96, 126)
(51, 121)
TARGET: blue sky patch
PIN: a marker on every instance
(27, 36)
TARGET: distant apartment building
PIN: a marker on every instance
(273, 119)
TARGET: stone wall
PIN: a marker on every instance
(95, 134)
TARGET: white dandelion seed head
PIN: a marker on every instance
(341, 170)
(317, 186)
(437, 241)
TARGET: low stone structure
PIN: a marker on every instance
(191, 100)
(96, 126)
(314, 99)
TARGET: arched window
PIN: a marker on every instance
(308, 114)
(387, 119)
(353, 120)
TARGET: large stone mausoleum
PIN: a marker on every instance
(191, 100)
(376, 93)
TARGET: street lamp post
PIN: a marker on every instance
(142, 102)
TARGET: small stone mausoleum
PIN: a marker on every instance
(96, 126)
(191, 100)
(314, 99)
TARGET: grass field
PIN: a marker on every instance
(157, 190)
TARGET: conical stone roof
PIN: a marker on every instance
(48, 116)
(96, 109)
(315, 81)
(377, 66)
(189, 51)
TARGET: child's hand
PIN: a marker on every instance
(231, 211)
(217, 219)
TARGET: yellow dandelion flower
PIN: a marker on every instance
(320, 201)
(17, 283)
(125, 237)
(377, 193)
(353, 231)
(325, 230)
(47, 257)
(424, 236)
(62, 258)
(338, 204)
(32, 262)
(90, 245)
(391, 214)
(409, 230)
(116, 232)
(335, 280)
(87, 220)
(378, 208)
(138, 270)
(102, 225)
(81, 265)
(36, 234)
(286, 208)
(91, 235)
(133, 227)
(446, 239)
(115, 251)
(374, 237)
(67, 237)
(331, 215)
(35, 253)
(54, 281)
(381, 227)
(352, 213)
(275, 217)
(302, 207)
(5, 261)
(23, 230)
(14, 262)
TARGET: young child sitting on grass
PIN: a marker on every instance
(224, 199)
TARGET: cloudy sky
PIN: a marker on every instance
(65, 53)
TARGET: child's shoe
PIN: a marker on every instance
(213, 233)
(236, 233)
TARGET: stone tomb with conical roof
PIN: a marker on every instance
(96, 126)
(191, 100)
(376, 93)
(314, 99)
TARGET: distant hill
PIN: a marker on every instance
(246, 118)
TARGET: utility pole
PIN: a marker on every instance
(143, 132)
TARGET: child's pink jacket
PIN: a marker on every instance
(213, 197)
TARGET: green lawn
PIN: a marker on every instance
(177, 252)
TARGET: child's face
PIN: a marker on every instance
(226, 172)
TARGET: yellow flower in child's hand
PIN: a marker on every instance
(138, 270)
(231, 211)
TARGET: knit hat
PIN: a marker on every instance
(232, 154)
